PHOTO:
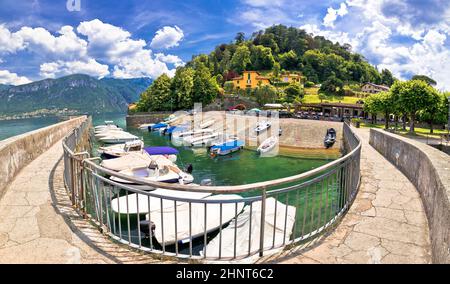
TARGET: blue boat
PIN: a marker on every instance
(157, 126)
(227, 147)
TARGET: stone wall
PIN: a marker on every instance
(17, 152)
(134, 120)
(429, 170)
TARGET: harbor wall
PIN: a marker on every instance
(429, 170)
(134, 120)
(18, 151)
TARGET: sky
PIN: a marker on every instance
(137, 38)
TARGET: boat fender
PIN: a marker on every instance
(189, 168)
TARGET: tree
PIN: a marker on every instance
(436, 112)
(332, 86)
(182, 87)
(241, 59)
(262, 58)
(239, 38)
(157, 96)
(413, 96)
(383, 102)
(228, 87)
(205, 88)
(293, 92)
(426, 79)
(288, 60)
(265, 94)
(387, 78)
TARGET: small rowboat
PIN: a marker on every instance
(330, 138)
(262, 126)
(207, 124)
(206, 140)
(268, 145)
(227, 147)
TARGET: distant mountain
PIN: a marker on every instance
(80, 93)
(4, 87)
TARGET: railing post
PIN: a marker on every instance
(263, 219)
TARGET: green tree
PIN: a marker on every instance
(293, 92)
(157, 96)
(332, 87)
(265, 94)
(262, 58)
(436, 112)
(424, 78)
(205, 88)
(383, 102)
(239, 38)
(228, 87)
(413, 96)
(241, 59)
(288, 60)
(387, 78)
(182, 87)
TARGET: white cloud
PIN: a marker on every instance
(333, 14)
(9, 78)
(61, 68)
(9, 42)
(264, 3)
(167, 37)
(171, 59)
(334, 36)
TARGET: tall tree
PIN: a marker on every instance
(205, 88)
(413, 96)
(426, 79)
(387, 78)
(289, 60)
(265, 94)
(436, 112)
(293, 92)
(158, 96)
(241, 59)
(383, 102)
(182, 87)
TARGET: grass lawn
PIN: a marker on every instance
(420, 132)
(312, 97)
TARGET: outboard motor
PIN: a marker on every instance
(189, 169)
(145, 227)
(206, 182)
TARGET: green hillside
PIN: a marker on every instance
(81, 93)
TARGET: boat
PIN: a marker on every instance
(279, 221)
(108, 132)
(118, 138)
(207, 124)
(189, 134)
(268, 145)
(168, 152)
(107, 128)
(145, 126)
(132, 160)
(157, 126)
(108, 123)
(262, 126)
(330, 138)
(205, 140)
(120, 150)
(144, 204)
(191, 226)
(227, 147)
(155, 172)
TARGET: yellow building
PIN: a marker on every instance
(289, 78)
(250, 79)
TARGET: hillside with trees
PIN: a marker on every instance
(277, 49)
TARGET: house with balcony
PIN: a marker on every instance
(250, 80)
(289, 78)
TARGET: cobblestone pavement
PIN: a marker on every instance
(386, 223)
(38, 224)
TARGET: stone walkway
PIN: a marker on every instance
(386, 223)
(38, 224)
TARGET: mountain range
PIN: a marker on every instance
(78, 93)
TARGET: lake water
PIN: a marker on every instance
(10, 128)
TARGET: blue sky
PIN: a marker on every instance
(124, 39)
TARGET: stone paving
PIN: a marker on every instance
(38, 224)
(386, 223)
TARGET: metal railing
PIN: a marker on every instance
(234, 222)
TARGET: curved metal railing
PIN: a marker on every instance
(223, 226)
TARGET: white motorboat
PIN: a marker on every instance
(262, 126)
(107, 132)
(120, 150)
(268, 145)
(145, 126)
(195, 212)
(197, 132)
(207, 123)
(118, 138)
(278, 221)
(205, 140)
(144, 204)
(107, 124)
(166, 173)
